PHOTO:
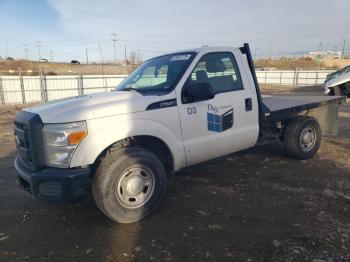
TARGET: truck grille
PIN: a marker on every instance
(28, 137)
(23, 144)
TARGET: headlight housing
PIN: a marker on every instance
(60, 141)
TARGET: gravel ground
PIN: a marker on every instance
(256, 205)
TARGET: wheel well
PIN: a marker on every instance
(346, 87)
(153, 144)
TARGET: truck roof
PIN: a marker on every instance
(202, 49)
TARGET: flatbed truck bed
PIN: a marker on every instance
(277, 105)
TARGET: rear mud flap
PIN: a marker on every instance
(327, 117)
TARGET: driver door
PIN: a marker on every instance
(223, 124)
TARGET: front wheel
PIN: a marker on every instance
(302, 137)
(129, 184)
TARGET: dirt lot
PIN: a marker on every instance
(256, 205)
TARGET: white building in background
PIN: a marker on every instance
(325, 54)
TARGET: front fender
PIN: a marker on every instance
(104, 132)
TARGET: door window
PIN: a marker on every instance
(220, 70)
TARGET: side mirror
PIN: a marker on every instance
(199, 92)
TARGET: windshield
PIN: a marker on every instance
(158, 75)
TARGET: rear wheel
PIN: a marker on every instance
(129, 184)
(302, 137)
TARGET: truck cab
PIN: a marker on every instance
(174, 111)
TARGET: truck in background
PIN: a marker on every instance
(338, 83)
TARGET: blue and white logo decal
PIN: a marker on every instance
(219, 122)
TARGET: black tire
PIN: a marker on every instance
(297, 137)
(109, 188)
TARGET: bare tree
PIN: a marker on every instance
(138, 57)
(135, 57)
(132, 56)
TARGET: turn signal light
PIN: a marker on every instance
(75, 138)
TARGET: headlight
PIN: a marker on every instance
(60, 141)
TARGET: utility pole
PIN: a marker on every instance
(87, 56)
(125, 55)
(7, 48)
(114, 39)
(255, 52)
(39, 51)
(99, 48)
(319, 56)
(270, 47)
(51, 56)
(26, 51)
(320, 47)
(344, 41)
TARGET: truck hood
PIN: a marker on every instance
(92, 106)
(338, 80)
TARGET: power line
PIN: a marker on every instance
(89, 39)
(78, 45)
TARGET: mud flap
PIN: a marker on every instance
(327, 117)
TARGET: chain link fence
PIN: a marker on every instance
(30, 89)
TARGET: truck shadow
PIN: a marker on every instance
(231, 208)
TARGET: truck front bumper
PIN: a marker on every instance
(54, 185)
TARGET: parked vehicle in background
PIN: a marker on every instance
(172, 112)
(338, 83)
(44, 60)
(75, 62)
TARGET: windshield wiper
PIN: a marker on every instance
(131, 89)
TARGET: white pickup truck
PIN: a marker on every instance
(172, 112)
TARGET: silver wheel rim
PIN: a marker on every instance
(135, 187)
(308, 138)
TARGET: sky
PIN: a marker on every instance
(64, 30)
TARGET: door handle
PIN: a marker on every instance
(248, 104)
